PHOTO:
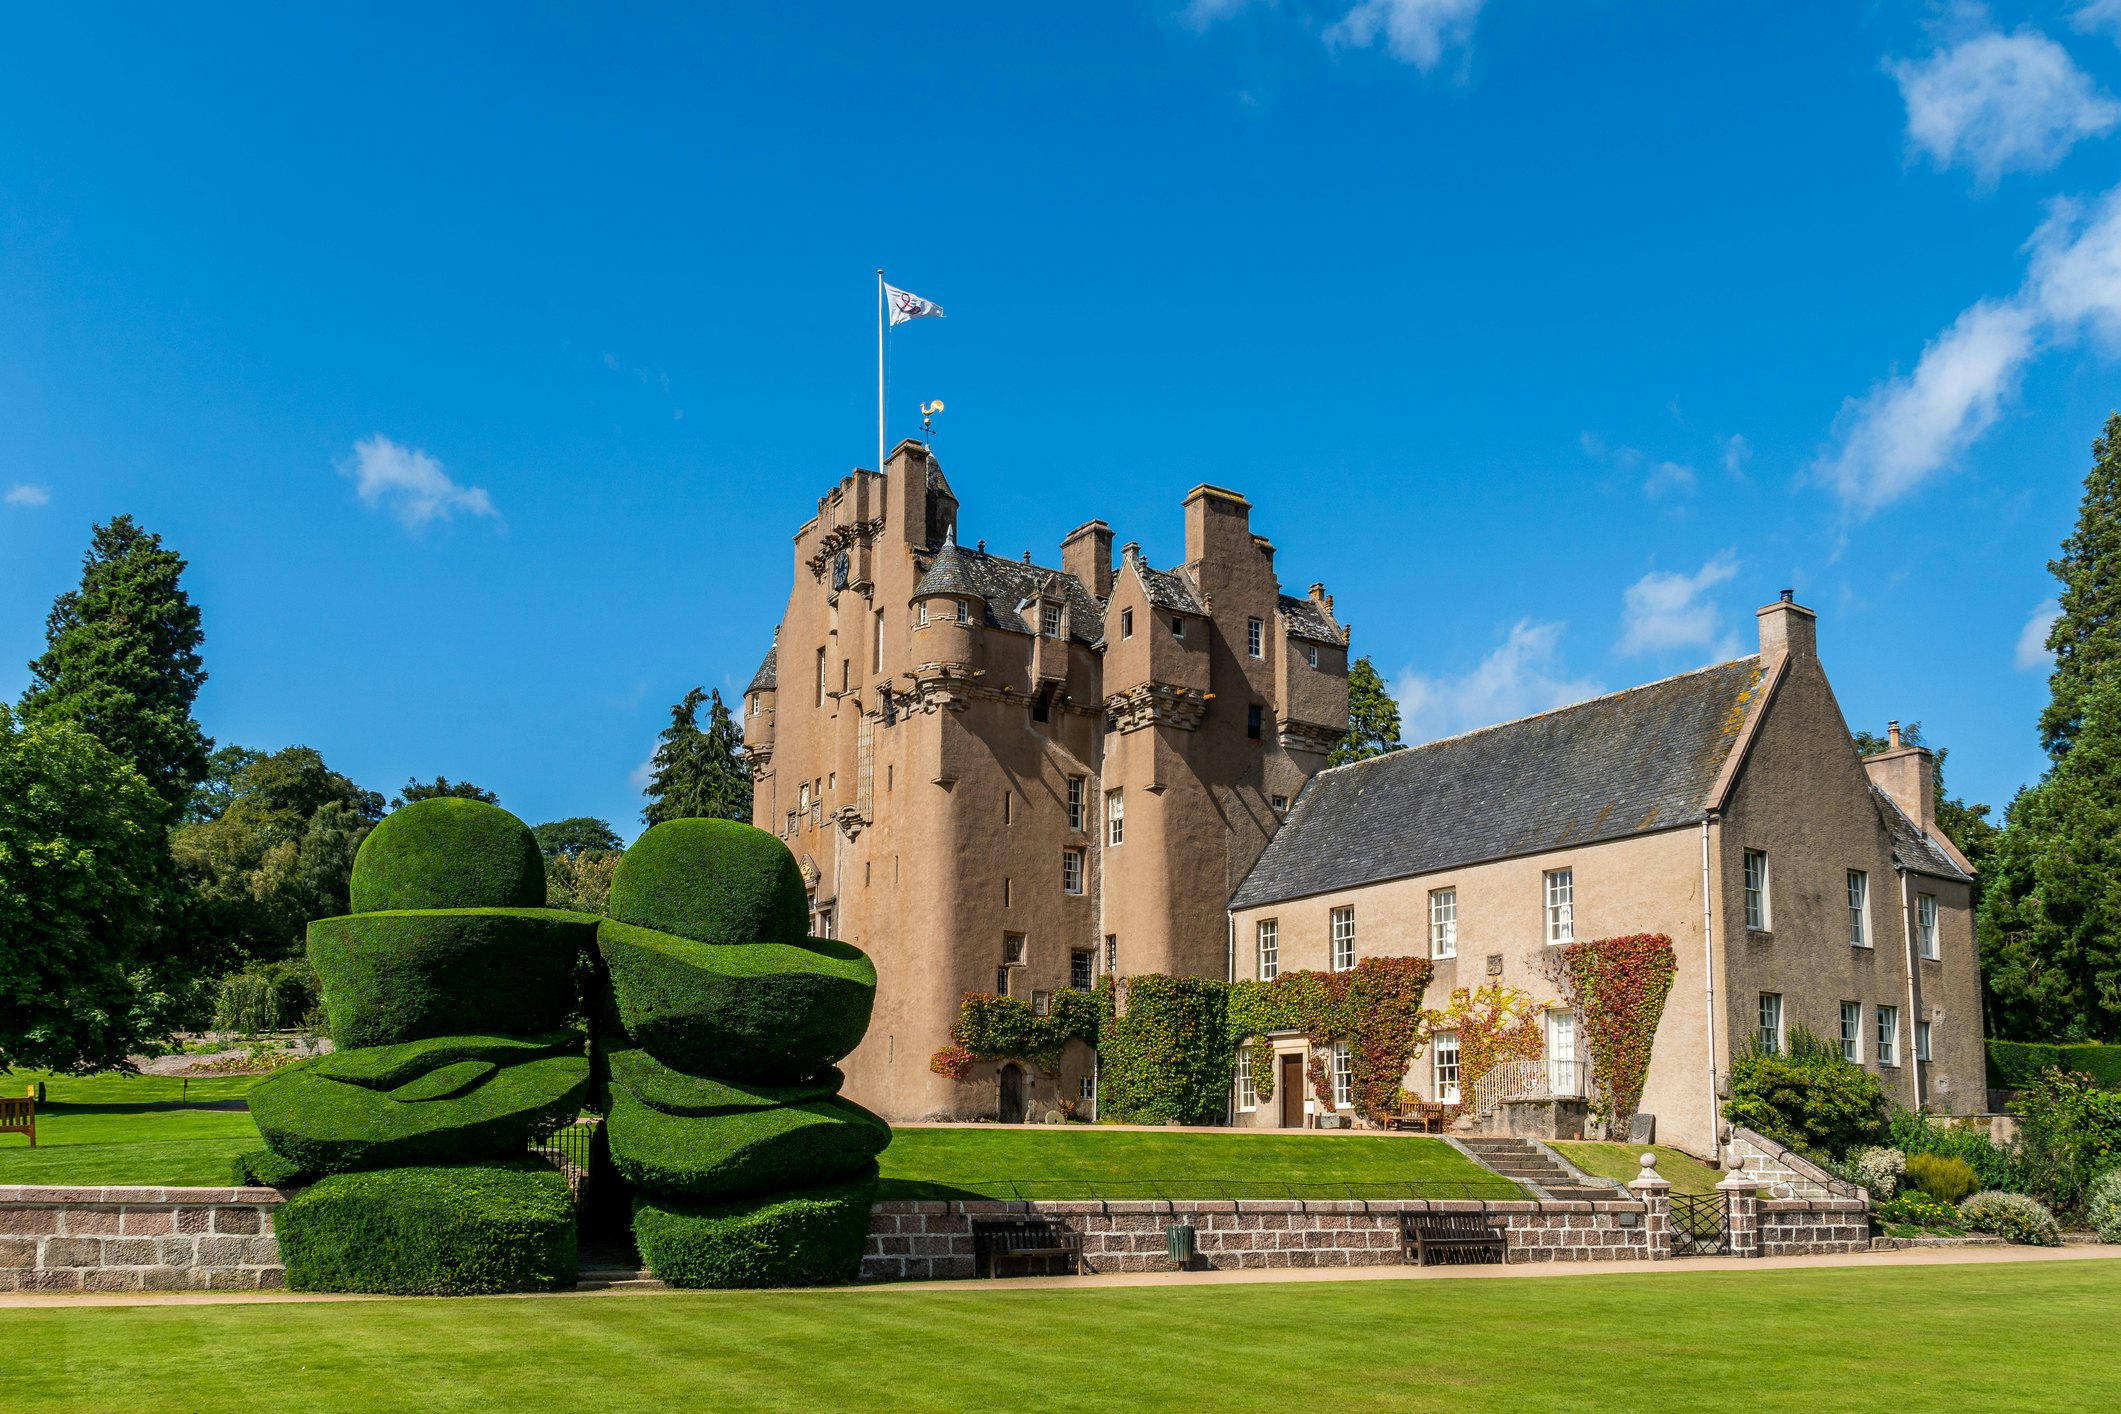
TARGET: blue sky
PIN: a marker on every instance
(482, 368)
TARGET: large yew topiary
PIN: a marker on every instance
(810, 1237)
(403, 975)
(431, 1231)
(713, 881)
(740, 1155)
(448, 852)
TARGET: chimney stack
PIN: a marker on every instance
(1909, 775)
(1787, 627)
(1086, 553)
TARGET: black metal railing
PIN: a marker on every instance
(1697, 1225)
(566, 1146)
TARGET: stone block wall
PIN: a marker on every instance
(138, 1239)
(1799, 1228)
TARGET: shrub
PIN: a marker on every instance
(1816, 1102)
(2104, 1207)
(2017, 1065)
(809, 1238)
(713, 881)
(676, 1093)
(246, 1003)
(1920, 1210)
(1880, 1170)
(766, 1012)
(2069, 1133)
(1944, 1178)
(399, 976)
(1911, 1132)
(447, 1231)
(448, 852)
(263, 1168)
(730, 1156)
(2013, 1217)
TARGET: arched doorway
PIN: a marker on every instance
(1012, 1107)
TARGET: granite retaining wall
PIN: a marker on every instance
(138, 1239)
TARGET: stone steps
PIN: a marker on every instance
(1518, 1161)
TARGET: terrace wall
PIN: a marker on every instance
(138, 1239)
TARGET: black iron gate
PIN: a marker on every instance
(1697, 1226)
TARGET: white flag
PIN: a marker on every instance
(905, 305)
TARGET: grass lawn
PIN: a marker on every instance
(113, 1144)
(1074, 1161)
(127, 1089)
(1684, 1172)
(1973, 1337)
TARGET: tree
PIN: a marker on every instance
(415, 789)
(1966, 826)
(699, 774)
(122, 661)
(2086, 637)
(80, 858)
(1373, 717)
(579, 835)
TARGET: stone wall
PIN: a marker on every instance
(1800, 1228)
(1786, 1173)
(138, 1239)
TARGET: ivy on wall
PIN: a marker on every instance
(997, 1028)
(1619, 986)
(1494, 1024)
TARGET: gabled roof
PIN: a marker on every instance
(1004, 585)
(1626, 764)
(1169, 589)
(764, 678)
(1913, 850)
(1308, 619)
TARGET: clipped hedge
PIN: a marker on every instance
(448, 852)
(262, 1168)
(770, 1013)
(399, 976)
(713, 881)
(324, 1123)
(676, 1093)
(810, 1238)
(438, 1231)
(730, 1156)
(2016, 1065)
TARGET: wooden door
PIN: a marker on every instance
(1291, 1089)
(1012, 1098)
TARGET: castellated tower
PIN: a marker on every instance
(1002, 777)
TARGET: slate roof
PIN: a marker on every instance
(1912, 849)
(1640, 760)
(1309, 619)
(764, 678)
(1004, 584)
(948, 573)
(1170, 590)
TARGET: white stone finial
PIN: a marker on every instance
(1649, 1163)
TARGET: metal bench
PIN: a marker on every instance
(19, 1117)
(1452, 1239)
(1026, 1240)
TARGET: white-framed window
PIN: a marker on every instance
(1115, 817)
(1561, 1051)
(964, 611)
(1281, 805)
(1771, 1023)
(1443, 923)
(1086, 1089)
(1178, 627)
(1859, 909)
(820, 677)
(1075, 804)
(1756, 890)
(1343, 939)
(878, 664)
(1561, 905)
(1311, 653)
(1922, 1041)
(1443, 1066)
(1889, 1035)
(1852, 1032)
(1111, 953)
(1255, 639)
(920, 614)
(1343, 1076)
(1071, 871)
(1926, 926)
(1049, 620)
(1126, 623)
(1269, 949)
(1247, 1092)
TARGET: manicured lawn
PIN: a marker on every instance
(1973, 1337)
(1684, 1172)
(169, 1146)
(1068, 1161)
(128, 1089)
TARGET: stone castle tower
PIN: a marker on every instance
(1002, 777)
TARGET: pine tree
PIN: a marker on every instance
(1373, 717)
(699, 774)
(122, 661)
(2086, 638)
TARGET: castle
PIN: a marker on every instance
(998, 776)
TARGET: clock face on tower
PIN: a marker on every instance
(839, 570)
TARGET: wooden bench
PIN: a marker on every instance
(1428, 1118)
(1026, 1240)
(19, 1117)
(1452, 1239)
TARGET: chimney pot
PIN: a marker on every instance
(1892, 735)
(1789, 596)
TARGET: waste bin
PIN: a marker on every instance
(1179, 1242)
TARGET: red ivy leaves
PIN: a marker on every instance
(1620, 986)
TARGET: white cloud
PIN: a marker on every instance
(1199, 14)
(413, 484)
(2098, 17)
(1415, 31)
(2000, 102)
(1522, 676)
(1666, 610)
(23, 493)
(2075, 276)
(642, 774)
(1668, 476)
(1736, 453)
(2032, 639)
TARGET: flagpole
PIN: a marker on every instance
(880, 369)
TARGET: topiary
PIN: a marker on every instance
(676, 1093)
(713, 881)
(399, 976)
(448, 852)
(2013, 1217)
(262, 1168)
(437, 1231)
(729, 1156)
(2103, 1207)
(807, 1238)
(1942, 1177)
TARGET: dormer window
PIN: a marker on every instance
(1126, 623)
(1049, 619)
(1311, 652)
(1178, 627)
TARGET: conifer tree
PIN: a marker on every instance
(2086, 638)
(1373, 717)
(699, 774)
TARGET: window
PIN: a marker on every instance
(1889, 1035)
(1126, 623)
(920, 615)
(1255, 721)
(879, 659)
(1086, 1088)
(1756, 903)
(820, 677)
(1561, 906)
(1852, 1032)
(1178, 627)
(1115, 816)
(1926, 926)
(1247, 1092)
(1922, 1042)
(846, 673)
(964, 611)
(1049, 620)
(1771, 1023)
(1443, 1061)
(1269, 949)
(1071, 871)
(1343, 939)
(1859, 909)
(1008, 808)
(1343, 1076)
(1111, 953)
(1443, 923)
(1281, 805)
(1042, 706)
(1082, 969)
(1561, 1052)
(1001, 981)
(1255, 639)
(1013, 949)
(1005, 891)
(1075, 804)
(1311, 652)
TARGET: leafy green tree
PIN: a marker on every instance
(1966, 826)
(1373, 717)
(2086, 638)
(212, 795)
(699, 774)
(81, 854)
(122, 662)
(579, 835)
(416, 789)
